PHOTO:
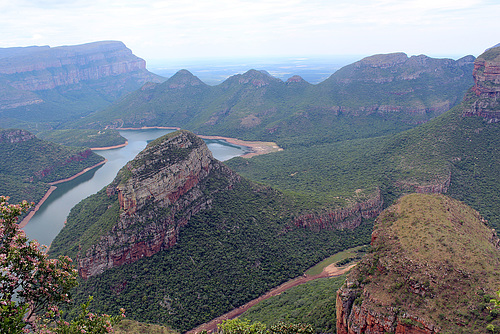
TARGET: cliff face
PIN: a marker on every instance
(348, 217)
(107, 66)
(486, 90)
(433, 268)
(67, 65)
(158, 192)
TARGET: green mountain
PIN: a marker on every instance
(378, 95)
(178, 238)
(456, 153)
(433, 269)
(29, 164)
(42, 87)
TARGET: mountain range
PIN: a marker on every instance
(183, 238)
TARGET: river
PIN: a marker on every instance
(50, 218)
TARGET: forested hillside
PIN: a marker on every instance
(375, 96)
(29, 164)
(184, 239)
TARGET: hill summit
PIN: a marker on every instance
(434, 267)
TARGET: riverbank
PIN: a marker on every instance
(30, 215)
(329, 271)
(257, 147)
(109, 147)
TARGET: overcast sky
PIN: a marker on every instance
(175, 29)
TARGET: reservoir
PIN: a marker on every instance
(50, 218)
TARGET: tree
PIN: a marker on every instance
(32, 286)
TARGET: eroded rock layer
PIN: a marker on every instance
(157, 192)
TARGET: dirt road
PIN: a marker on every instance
(329, 271)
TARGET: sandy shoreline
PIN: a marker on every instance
(30, 215)
(109, 147)
(257, 147)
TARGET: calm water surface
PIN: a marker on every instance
(50, 218)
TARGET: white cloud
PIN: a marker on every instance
(196, 28)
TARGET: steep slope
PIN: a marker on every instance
(28, 164)
(433, 269)
(375, 96)
(51, 85)
(183, 239)
(455, 153)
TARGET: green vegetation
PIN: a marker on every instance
(464, 149)
(128, 326)
(312, 303)
(28, 165)
(226, 256)
(433, 259)
(83, 137)
(358, 101)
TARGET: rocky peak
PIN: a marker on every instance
(484, 100)
(183, 78)
(15, 136)
(295, 78)
(256, 78)
(157, 192)
(433, 265)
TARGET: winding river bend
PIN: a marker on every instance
(50, 218)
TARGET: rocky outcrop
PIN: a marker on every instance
(485, 94)
(158, 192)
(432, 265)
(347, 217)
(15, 136)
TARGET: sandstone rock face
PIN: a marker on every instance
(108, 67)
(68, 65)
(348, 217)
(486, 89)
(158, 192)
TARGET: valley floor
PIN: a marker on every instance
(329, 271)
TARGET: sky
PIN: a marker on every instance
(186, 29)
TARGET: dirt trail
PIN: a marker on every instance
(329, 271)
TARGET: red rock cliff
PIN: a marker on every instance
(485, 93)
(158, 192)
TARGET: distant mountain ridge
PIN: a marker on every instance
(44, 83)
(393, 91)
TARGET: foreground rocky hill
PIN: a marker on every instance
(433, 269)
(377, 95)
(47, 84)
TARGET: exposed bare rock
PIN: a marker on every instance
(158, 192)
(484, 96)
(347, 217)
